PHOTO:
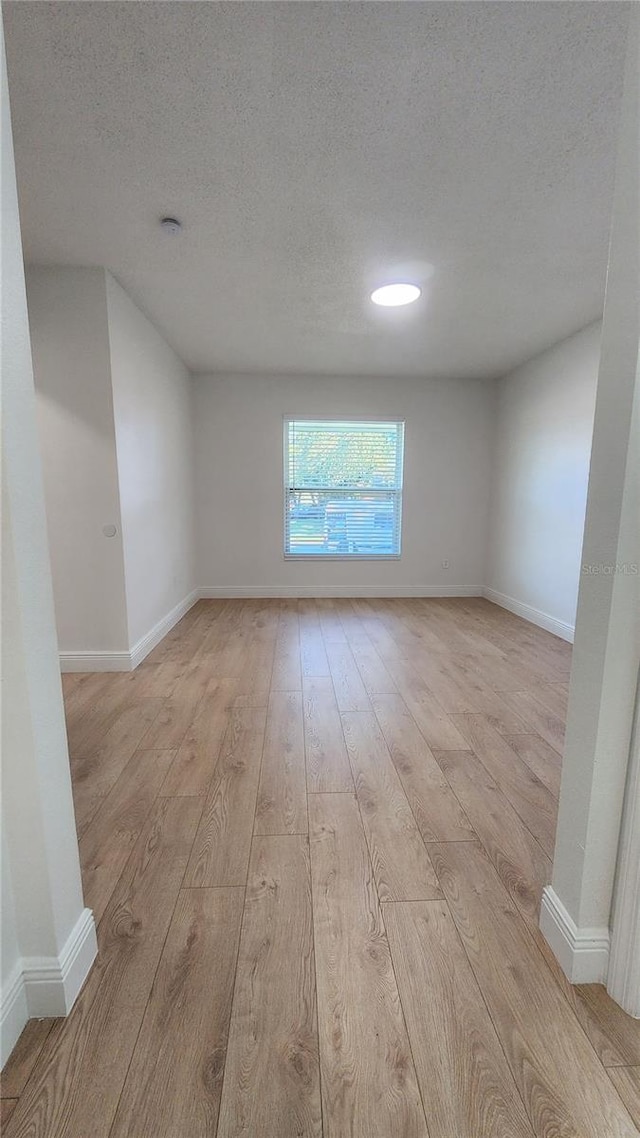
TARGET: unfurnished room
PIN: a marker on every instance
(320, 569)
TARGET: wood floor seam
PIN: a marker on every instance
(313, 938)
(404, 1018)
(492, 1019)
(155, 973)
(246, 883)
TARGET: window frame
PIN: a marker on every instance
(320, 557)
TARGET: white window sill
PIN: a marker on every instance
(342, 556)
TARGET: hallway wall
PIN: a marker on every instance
(49, 935)
(72, 367)
(154, 445)
(542, 449)
(116, 435)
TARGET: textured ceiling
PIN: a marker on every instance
(315, 150)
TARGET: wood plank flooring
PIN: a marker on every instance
(315, 835)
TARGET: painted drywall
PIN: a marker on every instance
(71, 360)
(14, 1003)
(239, 482)
(154, 442)
(606, 660)
(42, 901)
(542, 447)
(9, 947)
(114, 412)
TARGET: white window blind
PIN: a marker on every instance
(343, 488)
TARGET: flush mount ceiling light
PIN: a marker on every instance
(393, 295)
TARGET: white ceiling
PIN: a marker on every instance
(316, 150)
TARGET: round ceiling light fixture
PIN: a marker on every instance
(171, 225)
(393, 295)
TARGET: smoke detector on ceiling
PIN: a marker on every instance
(171, 225)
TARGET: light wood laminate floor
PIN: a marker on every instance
(314, 835)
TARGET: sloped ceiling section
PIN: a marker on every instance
(315, 150)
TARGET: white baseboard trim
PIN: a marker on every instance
(583, 954)
(14, 1013)
(229, 592)
(535, 616)
(127, 661)
(95, 661)
(41, 987)
(52, 983)
(160, 630)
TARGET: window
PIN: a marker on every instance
(343, 488)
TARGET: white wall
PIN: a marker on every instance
(116, 434)
(542, 448)
(239, 482)
(71, 360)
(623, 975)
(42, 915)
(576, 909)
(154, 441)
(14, 1003)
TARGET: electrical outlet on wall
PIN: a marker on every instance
(445, 563)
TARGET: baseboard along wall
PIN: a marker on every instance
(41, 987)
(232, 592)
(583, 953)
(128, 660)
(535, 616)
